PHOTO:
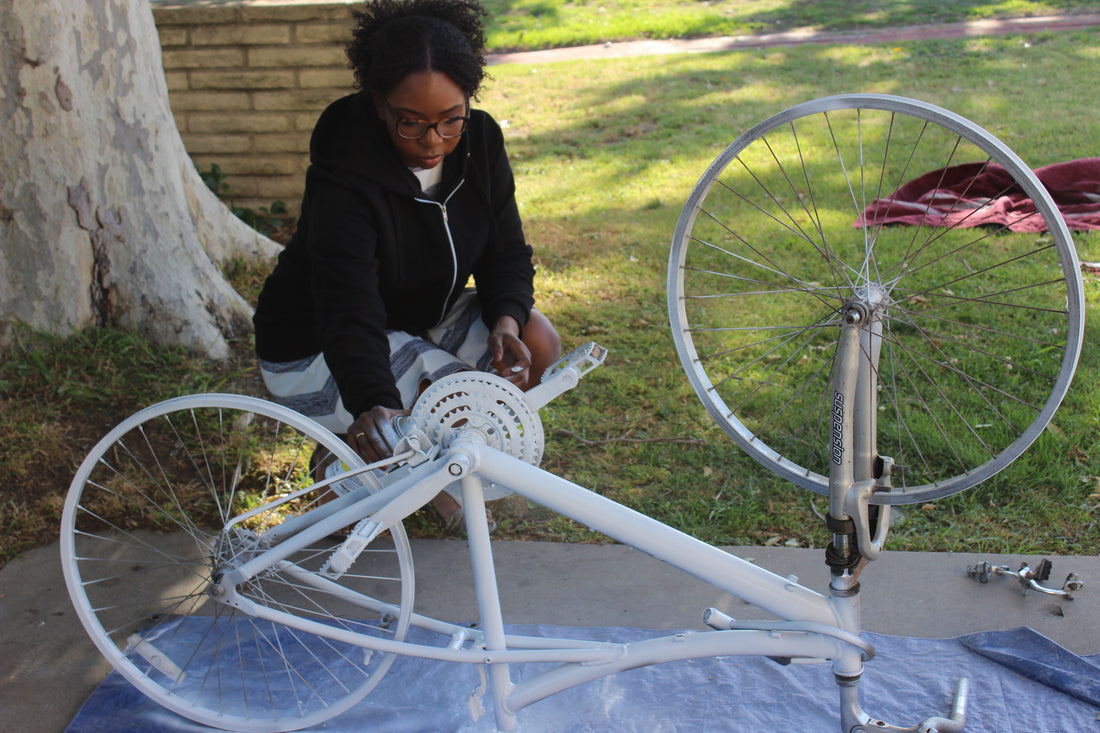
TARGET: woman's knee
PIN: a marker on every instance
(543, 342)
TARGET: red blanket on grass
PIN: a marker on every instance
(979, 194)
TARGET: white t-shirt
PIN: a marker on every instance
(429, 178)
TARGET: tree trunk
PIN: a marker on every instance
(103, 218)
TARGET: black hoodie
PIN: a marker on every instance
(371, 253)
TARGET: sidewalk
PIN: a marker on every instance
(799, 38)
(48, 666)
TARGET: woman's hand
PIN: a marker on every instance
(372, 435)
(511, 358)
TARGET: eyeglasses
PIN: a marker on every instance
(447, 129)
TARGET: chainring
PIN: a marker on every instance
(484, 402)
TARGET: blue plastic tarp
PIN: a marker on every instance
(1021, 682)
(1036, 657)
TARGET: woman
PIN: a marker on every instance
(409, 194)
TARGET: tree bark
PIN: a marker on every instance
(103, 218)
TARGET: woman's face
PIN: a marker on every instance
(423, 96)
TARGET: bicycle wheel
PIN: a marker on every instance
(145, 529)
(981, 326)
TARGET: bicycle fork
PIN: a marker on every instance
(859, 528)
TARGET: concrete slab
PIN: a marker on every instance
(48, 666)
(904, 593)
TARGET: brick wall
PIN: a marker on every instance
(247, 80)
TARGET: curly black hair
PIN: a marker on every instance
(394, 38)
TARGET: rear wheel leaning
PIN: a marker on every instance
(144, 531)
(981, 327)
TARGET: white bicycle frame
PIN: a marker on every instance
(813, 626)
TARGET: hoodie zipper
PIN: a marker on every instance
(442, 206)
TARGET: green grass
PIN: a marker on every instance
(605, 154)
(534, 24)
(58, 396)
